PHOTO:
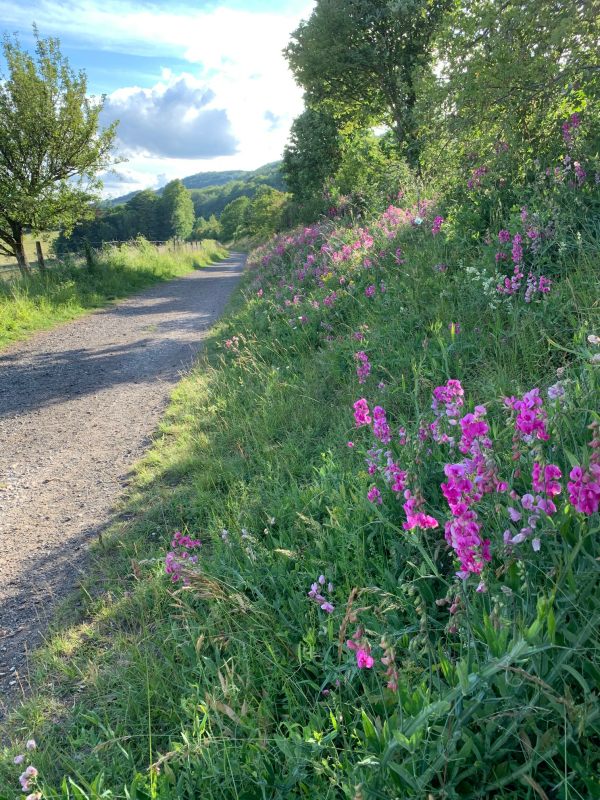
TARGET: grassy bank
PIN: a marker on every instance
(247, 675)
(63, 293)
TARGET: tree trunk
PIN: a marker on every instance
(20, 253)
(40, 257)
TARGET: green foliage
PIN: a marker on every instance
(233, 217)
(360, 60)
(212, 199)
(51, 148)
(312, 154)
(510, 75)
(260, 216)
(176, 211)
(264, 214)
(69, 289)
(145, 211)
(207, 228)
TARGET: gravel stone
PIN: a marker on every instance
(78, 406)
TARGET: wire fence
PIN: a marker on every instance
(54, 260)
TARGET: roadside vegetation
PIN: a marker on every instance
(282, 616)
(73, 287)
(360, 560)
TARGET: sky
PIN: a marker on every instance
(197, 86)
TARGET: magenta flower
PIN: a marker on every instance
(374, 495)
(364, 659)
(361, 413)
(370, 290)
(363, 368)
(381, 429)
(531, 418)
(517, 248)
(584, 488)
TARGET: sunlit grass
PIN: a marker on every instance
(64, 292)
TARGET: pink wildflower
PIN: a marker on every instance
(364, 659)
(531, 418)
(363, 368)
(584, 488)
(381, 429)
(374, 495)
(361, 413)
(437, 225)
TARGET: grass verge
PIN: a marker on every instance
(235, 683)
(63, 293)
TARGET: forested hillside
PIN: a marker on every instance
(189, 208)
(361, 560)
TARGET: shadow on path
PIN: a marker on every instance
(77, 407)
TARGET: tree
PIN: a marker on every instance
(232, 218)
(144, 207)
(51, 148)
(312, 154)
(264, 213)
(360, 60)
(177, 211)
(207, 228)
(512, 71)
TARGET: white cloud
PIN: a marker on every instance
(170, 119)
(233, 105)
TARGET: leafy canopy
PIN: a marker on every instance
(360, 59)
(51, 147)
(177, 210)
(312, 154)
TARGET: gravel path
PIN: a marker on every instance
(78, 405)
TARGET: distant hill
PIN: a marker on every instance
(209, 198)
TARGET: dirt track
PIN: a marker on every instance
(78, 405)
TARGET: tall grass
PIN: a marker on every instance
(66, 291)
(237, 685)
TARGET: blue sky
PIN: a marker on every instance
(196, 85)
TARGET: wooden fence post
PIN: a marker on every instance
(40, 257)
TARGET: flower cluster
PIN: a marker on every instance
(363, 368)
(233, 343)
(181, 557)
(361, 649)
(437, 225)
(316, 593)
(476, 475)
(29, 777)
(531, 419)
(584, 486)
(570, 128)
(362, 414)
